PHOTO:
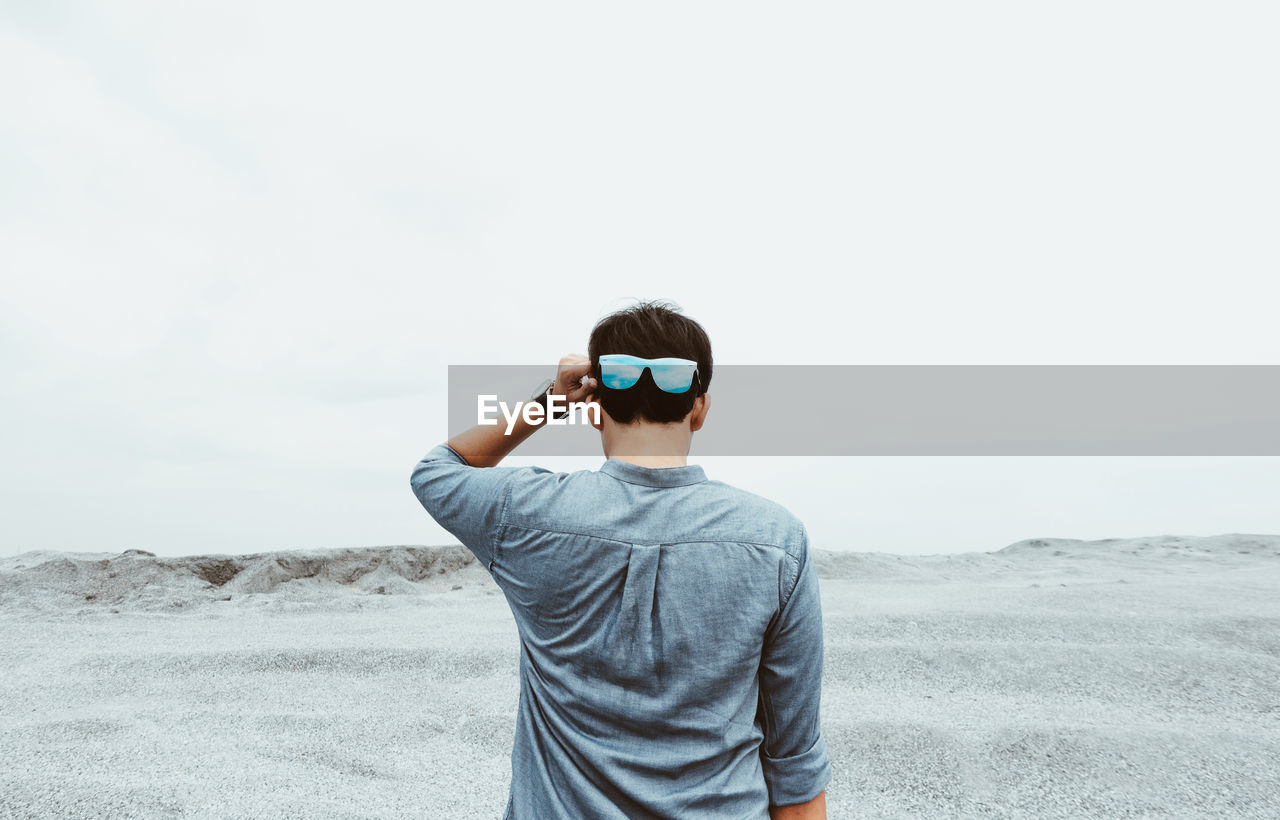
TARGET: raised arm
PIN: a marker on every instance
(488, 445)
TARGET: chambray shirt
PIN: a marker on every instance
(670, 637)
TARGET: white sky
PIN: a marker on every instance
(240, 242)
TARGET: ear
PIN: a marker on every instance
(698, 415)
(597, 422)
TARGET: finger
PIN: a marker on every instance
(584, 391)
(576, 391)
(571, 373)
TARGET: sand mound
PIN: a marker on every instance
(140, 579)
(137, 579)
(1158, 546)
(880, 566)
(1031, 557)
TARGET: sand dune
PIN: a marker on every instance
(140, 579)
(1051, 678)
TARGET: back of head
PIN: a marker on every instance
(650, 330)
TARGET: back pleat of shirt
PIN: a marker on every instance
(637, 636)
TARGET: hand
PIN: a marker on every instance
(572, 381)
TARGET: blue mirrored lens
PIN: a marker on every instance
(619, 372)
(673, 378)
(619, 376)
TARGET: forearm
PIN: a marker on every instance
(488, 445)
(815, 809)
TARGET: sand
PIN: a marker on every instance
(1052, 678)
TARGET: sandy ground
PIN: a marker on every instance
(1048, 679)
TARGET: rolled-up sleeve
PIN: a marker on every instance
(467, 501)
(793, 754)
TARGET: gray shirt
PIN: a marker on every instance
(670, 637)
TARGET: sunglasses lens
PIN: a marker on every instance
(616, 376)
(673, 378)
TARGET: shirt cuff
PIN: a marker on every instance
(447, 453)
(799, 778)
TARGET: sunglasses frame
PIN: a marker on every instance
(654, 366)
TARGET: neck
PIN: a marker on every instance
(647, 445)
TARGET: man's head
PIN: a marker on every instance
(651, 330)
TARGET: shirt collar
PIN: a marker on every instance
(653, 476)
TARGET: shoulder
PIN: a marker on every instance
(531, 488)
(753, 501)
(774, 524)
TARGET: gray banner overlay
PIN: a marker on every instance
(962, 410)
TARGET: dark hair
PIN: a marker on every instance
(651, 330)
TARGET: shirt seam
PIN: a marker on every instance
(702, 480)
(795, 559)
(508, 524)
(495, 536)
(794, 583)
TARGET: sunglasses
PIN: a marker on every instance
(619, 371)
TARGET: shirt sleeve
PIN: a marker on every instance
(467, 501)
(793, 753)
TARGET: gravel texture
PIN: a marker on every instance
(1052, 678)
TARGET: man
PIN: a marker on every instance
(670, 626)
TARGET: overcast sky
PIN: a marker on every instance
(241, 242)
